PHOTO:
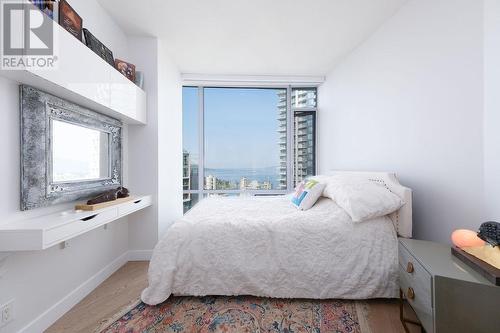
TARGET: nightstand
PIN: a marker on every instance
(446, 294)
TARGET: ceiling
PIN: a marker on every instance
(254, 37)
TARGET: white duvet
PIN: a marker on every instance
(263, 246)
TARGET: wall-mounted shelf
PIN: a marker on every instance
(84, 78)
(43, 232)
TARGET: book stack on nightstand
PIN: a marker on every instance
(446, 294)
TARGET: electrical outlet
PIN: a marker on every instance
(7, 313)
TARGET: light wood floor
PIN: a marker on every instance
(125, 285)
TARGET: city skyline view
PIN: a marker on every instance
(245, 139)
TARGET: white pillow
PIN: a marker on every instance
(307, 193)
(362, 199)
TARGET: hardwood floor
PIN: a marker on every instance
(126, 284)
(119, 290)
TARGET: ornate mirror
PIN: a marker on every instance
(67, 152)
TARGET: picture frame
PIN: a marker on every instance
(126, 68)
(70, 20)
(99, 48)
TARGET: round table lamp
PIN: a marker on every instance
(466, 238)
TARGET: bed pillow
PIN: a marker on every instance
(362, 199)
(307, 193)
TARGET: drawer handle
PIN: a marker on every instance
(410, 293)
(89, 217)
(410, 268)
(136, 202)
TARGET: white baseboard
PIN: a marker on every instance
(50, 316)
(140, 255)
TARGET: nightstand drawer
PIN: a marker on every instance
(415, 273)
(419, 297)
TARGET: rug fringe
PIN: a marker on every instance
(105, 323)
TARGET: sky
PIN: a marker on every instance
(240, 127)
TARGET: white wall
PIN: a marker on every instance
(492, 109)
(38, 280)
(143, 148)
(155, 150)
(169, 141)
(410, 100)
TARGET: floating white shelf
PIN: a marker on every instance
(43, 232)
(84, 78)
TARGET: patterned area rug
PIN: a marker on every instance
(241, 314)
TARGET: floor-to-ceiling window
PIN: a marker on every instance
(255, 141)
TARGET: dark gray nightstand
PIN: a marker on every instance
(446, 294)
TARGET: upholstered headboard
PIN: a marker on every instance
(401, 218)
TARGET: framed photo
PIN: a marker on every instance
(99, 48)
(70, 20)
(126, 69)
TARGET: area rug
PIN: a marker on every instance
(241, 314)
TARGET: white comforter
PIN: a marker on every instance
(263, 246)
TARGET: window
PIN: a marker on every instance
(257, 141)
(304, 163)
(304, 133)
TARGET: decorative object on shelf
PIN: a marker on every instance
(110, 195)
(49, 7)
(99, 48)
(67, 152)
(463, 238)
(139, 79)
(127, 69)
(86, 207)
(106, 199)
(70, 20)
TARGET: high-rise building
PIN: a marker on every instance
(186, 176)
(282, 129)
(303, 135)
(244, 183)
(210, 182)
(304, 147)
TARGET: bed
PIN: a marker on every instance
(263, 246)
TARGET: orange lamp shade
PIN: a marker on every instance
(466, 238)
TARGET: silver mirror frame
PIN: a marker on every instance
(37, 110)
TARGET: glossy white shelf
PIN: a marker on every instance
(43, 232)
(84, 78)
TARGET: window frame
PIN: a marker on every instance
(201, 191)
